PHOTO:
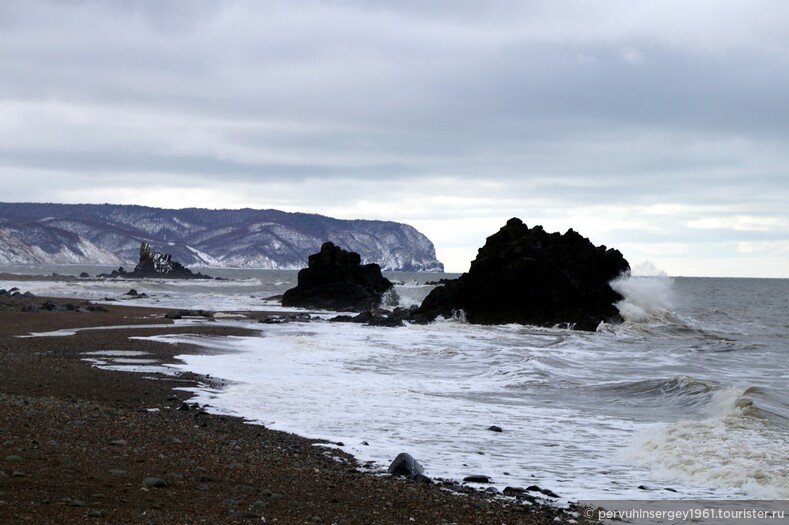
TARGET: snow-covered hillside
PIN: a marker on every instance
(111, 234)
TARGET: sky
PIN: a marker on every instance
(660, 128)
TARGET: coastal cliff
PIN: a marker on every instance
(111, 234)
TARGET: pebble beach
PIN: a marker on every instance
(79, 444)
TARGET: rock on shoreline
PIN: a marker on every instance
(336, 280)
(529, 276)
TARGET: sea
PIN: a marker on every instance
(687, 399)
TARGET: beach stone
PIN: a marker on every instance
(18, 474)
(95, 514)
(405, 465)
(529, 276)
(153, 482)
(547, 492)
(421, 478)
(75, 503)
(245, 515)
(118, 443)
(13, 458)
(513, 491)
(477, 478)
(495, 428)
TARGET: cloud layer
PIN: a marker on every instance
(659, 128)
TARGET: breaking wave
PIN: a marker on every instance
(646, 299)
(737, 446)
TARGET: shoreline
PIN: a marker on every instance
(80, 442)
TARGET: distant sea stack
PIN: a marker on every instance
(529, 276)
(109, 234)
(156, 264)
(336, 280)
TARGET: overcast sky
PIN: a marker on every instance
(660, 128)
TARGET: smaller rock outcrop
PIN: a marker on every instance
(156, 264)
(529, 276)
(336, 280)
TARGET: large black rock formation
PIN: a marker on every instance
(528, 276)
(335, 279)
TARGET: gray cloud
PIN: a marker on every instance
(570, 113)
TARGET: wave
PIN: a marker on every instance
(646, 299)
(737, 446)
(672, 386)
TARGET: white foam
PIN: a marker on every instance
(733, 448)
(427, 390)
(646, 299)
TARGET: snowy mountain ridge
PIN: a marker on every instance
(110, 234)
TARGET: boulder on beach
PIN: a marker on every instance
(529, 276)
(405, 465)
(336, 280)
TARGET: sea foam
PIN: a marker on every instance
(647, 299)
(734, 447)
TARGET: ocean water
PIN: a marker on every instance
(689, 398)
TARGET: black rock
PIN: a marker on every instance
(96, 309)
(287, 318)
(180, 314)
(156, 264)
(405, 465)
(477, 478)
(84, 275)
(377, 318)
(245, 515)
(547, 492)
(154, 483)
(495, 428)
(529, 276)
(421, 478)
(336, 280)
(513, 491)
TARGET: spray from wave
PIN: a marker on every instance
(647, 299)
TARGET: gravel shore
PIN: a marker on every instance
(79, 444)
